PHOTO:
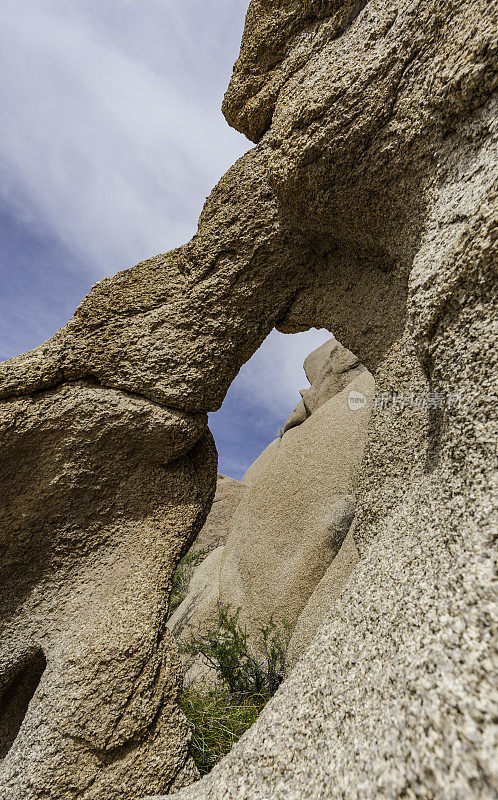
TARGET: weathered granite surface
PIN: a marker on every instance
(329, 369)
(292, 521)
(215, 530)
(317, 609)
(367, 207)
(177, 327)
(163, 338)
(383, 145)
(295, 507)
(100, 493)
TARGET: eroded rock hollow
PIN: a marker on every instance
(367, 206)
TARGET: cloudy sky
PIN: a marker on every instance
(111, 139)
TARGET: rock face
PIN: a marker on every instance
(293, 513)
(321, 601)
(262, 461)
(329, 369)
(383, 149)
(367, 207)
(199, 613)
(93, 519)
(291, 522)
(215, 530)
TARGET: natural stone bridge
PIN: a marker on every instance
(367, 207)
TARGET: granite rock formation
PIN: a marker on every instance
(329, 369)
(215, 530)
(321, 601)
(100, 494)
(293, 513)
(198, 613)
(382, 137)
(141, 330)
(367, 207)
(292, 521)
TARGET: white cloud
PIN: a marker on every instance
(100, 143)
(274, 374)
(111, 138)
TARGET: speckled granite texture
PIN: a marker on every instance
(368, 206)
(397, 696)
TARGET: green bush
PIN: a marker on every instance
(182, 578)
(247, 676)
(242, 669)
(217, 720)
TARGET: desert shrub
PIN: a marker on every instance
(244, 670)
(217, 721)
(182, 578)
(247, 678)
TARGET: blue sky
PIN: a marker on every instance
(112, 137)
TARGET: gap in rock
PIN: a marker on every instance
(16, 697)
(261, 398)
(289, 521)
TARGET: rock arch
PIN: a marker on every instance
(366, 207)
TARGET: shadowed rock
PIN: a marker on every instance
(100, 493)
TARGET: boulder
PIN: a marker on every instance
(215, 530)
(257, 467)
(284, 534)
(100, 493)
(329, 370)
(367, 207)
(384, 146)
(295, 514)
(199, 613)
(317, 609)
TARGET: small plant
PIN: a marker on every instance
(279, 433)
(182, 578)
(248, 678)
(242, 669)
(217, 721)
